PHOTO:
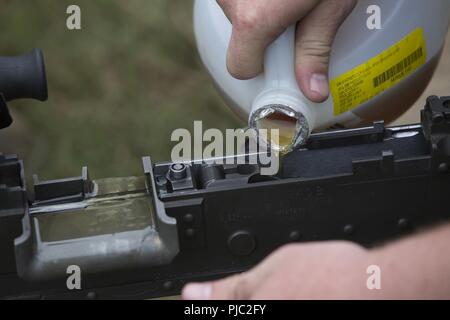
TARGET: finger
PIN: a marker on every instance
(226, 7)
(233, 288)
(315, 37)
(256, 24)
(197, 291)
(243, 286)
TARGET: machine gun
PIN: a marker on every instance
(144, 237)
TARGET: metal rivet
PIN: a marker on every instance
(161, 181)
(403, 223)
(189, 218)
(190, 233)
(443, 168)
(295, 236)
(242, 243)
(91, 296)
(168, 285)
(349, 229)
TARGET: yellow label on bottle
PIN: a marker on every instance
(380, 73)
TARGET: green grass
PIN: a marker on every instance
(117, 88)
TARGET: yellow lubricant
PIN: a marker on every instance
(286, 127)
(374, 74)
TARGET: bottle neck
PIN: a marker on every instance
(281, 105)
(289, 112)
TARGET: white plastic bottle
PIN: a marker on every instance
(374, 74)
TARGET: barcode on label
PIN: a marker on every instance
(398, 68)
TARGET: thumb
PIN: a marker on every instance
(242, 286)
(315, 37)
(233, 288)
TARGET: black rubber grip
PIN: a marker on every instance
(5, 117)
(23, 77)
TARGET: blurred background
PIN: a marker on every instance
(117, 88)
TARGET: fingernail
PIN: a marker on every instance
(197, 291)
(319, 84)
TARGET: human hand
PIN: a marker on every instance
(415, 267)
(331, 270)
(257, 23)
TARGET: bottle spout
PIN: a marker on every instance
(283, 128)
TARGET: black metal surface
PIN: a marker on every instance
(367, 186)
(13, 205)
(62, 191)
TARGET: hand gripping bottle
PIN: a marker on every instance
(374, 74)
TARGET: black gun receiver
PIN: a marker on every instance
(144, 237)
